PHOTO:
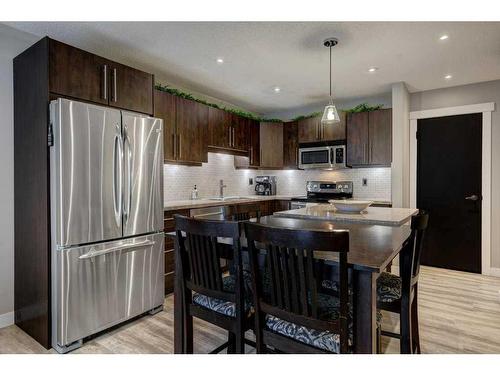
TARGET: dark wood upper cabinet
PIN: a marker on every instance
(78, 74)
(312, 130)
(357, 139)
(130, 88)
(254, 146)
(369, 138)
(309, 130)
(380, 132)
(271, 145)
(240, 133)
(165, 109)
(218, 128)
(290, 144)
(191, 131)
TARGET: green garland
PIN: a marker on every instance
(364, 107)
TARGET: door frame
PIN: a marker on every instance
(485, 109)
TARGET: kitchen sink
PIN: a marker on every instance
(230, 198)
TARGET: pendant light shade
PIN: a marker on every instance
(330, 114)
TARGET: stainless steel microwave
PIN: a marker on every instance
(323, 157)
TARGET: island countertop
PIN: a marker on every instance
(393, 217)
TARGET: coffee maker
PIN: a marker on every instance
(265, 185)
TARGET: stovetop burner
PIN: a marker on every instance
(323, 191)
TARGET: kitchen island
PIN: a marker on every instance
(386, 216)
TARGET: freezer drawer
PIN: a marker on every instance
(98, 286)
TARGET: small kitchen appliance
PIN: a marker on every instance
(265, 185)
(322, 157)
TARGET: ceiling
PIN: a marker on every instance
(261, 55)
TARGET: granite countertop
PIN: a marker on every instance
(372, 215)
(204, 202)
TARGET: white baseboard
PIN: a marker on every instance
(7, 319)
(492, 271)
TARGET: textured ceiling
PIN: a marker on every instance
(259, 56)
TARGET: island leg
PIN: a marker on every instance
(365, 324)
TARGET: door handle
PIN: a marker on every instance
(117, 181)
(128, 154)
(92, 253)
(472, 197)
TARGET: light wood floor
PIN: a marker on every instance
(459, 313)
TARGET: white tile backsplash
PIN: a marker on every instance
(179, 180)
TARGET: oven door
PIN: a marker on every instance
(315, 157)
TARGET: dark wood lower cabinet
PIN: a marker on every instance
(169, 226)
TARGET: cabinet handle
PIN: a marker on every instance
(229, 136)
(370, 155)
(232, 132)
(179, 145)
(251, 155)
(105, 82)
(115, 96)
(175, 146)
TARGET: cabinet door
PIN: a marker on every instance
(78, 74)
(380, 132)
(290, 144)
(336, 131)
(218, 128)
(240, 133)
(254, 148)
(191, 130)
(357, 139)
(309, 129)
(131, 89)
(271, 145)
(164, 104)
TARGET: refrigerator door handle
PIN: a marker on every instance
(117, 177)
(93, 253)
(128, 195)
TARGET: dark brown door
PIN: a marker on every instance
(309, 130)
(218, 127)
(191, 131)
(78, 74)
(290, 144)
(334, 132)
(254, 148)
(357, 139)
(130, 89)
(449, 188)
(165, 109)
(240, 133)
(380, 134)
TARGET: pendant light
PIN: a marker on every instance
(330, 114)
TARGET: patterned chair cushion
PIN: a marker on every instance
(226, 307)
(333, 285)
(328, 309)
(388, 287)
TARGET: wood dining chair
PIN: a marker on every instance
(243, 212)
(399, 294)
(207, 293)
(290, 314)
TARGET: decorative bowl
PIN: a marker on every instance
(350, 205)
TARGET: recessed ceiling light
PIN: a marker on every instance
(373, 69)
(443, 37)
(220, 60)
(277, 89)
(448, 76)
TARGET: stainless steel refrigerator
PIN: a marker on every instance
(107, 218)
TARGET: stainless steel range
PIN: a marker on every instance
(322, 191)
(107, 218)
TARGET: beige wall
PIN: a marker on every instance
(12, 42)
(473, 94)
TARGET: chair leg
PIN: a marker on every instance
(231, 338)
(414, 325)
(379, 340)
(189, 334)
(405, 327)
(240, 342)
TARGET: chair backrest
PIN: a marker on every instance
(411, 258)
(292, 282)
(243, 212)
(199, 252)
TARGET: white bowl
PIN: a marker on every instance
(350, 205)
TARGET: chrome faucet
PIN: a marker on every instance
(221, 187)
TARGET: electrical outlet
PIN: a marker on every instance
(250, 181)
(365, 181)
